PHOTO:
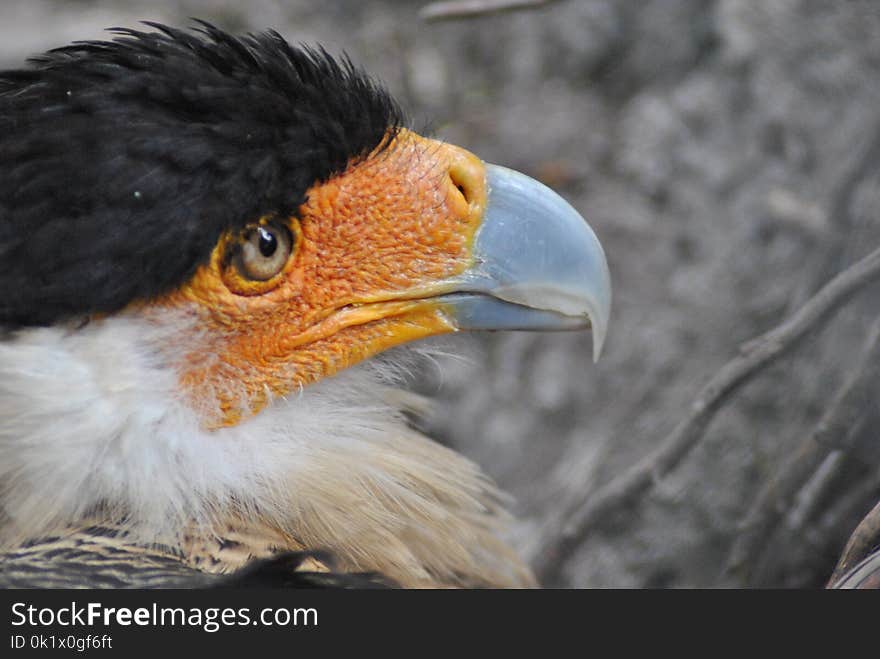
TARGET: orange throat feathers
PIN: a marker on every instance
(370, 252)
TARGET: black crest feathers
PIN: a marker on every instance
(123, 161)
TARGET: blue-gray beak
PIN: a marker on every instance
(537, 264)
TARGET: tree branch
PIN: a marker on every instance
(832, 433)
(864, 540)
(754, 356)
(451, 9)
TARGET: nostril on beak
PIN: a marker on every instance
(469, 177)
(459, 180)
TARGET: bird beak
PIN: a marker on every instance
(537, 265)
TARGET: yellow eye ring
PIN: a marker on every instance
(256, 258)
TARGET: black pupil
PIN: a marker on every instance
(268, 242)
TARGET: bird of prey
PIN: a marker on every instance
(206, 241)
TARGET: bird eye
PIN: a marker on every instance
(264, 251)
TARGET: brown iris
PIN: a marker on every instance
(257, 256)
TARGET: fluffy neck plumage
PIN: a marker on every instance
(93, 420)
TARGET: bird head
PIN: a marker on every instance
(202, 237)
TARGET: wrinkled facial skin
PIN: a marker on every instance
(372, 246)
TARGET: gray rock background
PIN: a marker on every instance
(727, 153)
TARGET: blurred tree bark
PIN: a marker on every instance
(452, 9)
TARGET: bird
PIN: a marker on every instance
(219, 256)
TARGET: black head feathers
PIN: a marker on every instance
(123, 162)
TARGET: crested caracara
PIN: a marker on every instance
(205, 242)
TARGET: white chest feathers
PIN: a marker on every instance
(92, 421)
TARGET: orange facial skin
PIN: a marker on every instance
(371, 248)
